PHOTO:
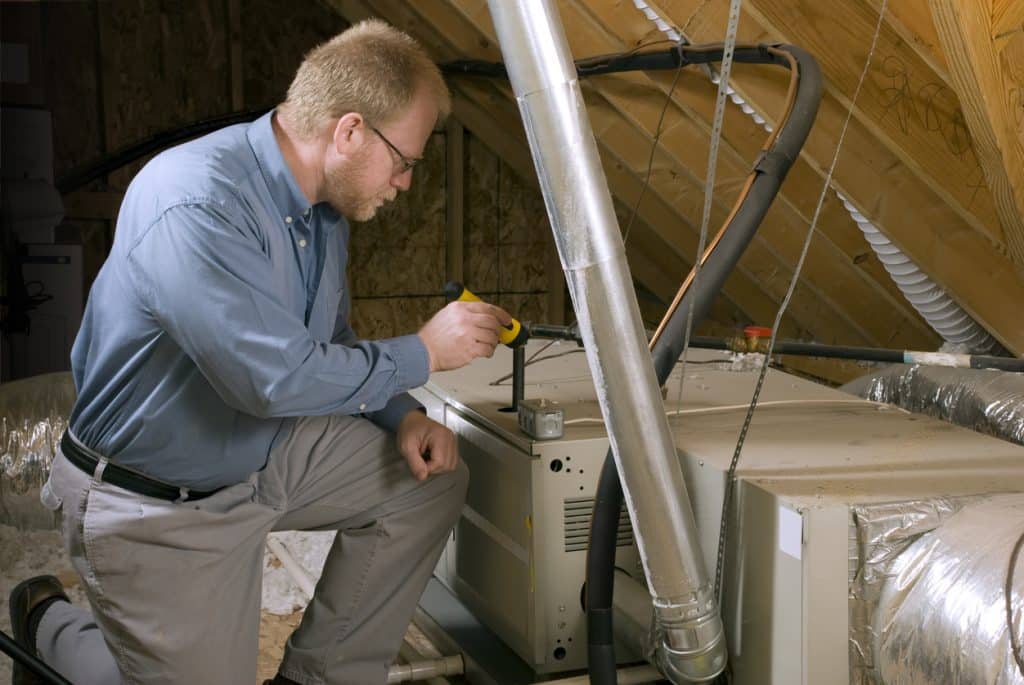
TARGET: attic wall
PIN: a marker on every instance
(116, 72)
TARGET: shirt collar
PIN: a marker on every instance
(284, 189)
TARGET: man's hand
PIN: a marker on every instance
(461, 332)
(428, 447)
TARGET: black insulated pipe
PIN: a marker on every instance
(518, 375)
(83, 175)
(42, 672)
(770, 171)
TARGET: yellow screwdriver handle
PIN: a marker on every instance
(513, 335)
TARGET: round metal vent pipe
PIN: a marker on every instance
(579, 205)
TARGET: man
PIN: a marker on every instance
(223, 395)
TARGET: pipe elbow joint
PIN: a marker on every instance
(694, 651)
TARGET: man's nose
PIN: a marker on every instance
(402, 181)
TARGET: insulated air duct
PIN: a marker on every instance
(579, 206)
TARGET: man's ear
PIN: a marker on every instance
(349, 133)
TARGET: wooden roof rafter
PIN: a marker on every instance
(655, 270)
(675, 181)
(844, 295)
(976, 273)
(967, 33)
(838, 250)
(501, 113)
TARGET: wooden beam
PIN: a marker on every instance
(869, 312)
(494, 119)
(1007, 15)
(1011, 58)
(840, 263)
(965, 31)
(660, 272)
(455, 207)
(975, 272)
(912, 20)
(765, 265)
(903, 102)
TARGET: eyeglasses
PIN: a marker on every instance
(407, 162)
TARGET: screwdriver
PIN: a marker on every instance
(513, 335)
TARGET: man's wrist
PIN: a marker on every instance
(412, 415)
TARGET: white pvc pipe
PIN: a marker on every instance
(298, 574)
(421, 670)
(398, 673)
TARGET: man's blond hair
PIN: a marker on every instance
(371, 68)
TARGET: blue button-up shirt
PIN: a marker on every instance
(221, 314)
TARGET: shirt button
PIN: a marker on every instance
(302, 243)
(287, 219)
(362, 407)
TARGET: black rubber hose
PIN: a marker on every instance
(872, 354)
(32, 663)
(600, 585)
(771, 170)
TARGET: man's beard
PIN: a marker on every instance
(343, 194)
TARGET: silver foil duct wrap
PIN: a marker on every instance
(929, 598)
(985, 400)
(942, 612)
(33, 416)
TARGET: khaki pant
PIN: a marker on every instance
(175, 587)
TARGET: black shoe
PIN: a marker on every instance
(279, 680)
(25, 597)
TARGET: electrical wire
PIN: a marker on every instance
(730, 484)
(717, 409)
(532, 360)
(654, 148)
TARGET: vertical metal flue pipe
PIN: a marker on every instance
(579, 206)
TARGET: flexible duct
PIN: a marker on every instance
(953, 580)
(943, 314)
(982, 400)
(33, 416)
(579, 206)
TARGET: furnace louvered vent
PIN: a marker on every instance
(577, 525)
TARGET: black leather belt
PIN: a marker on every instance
(126, 478)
